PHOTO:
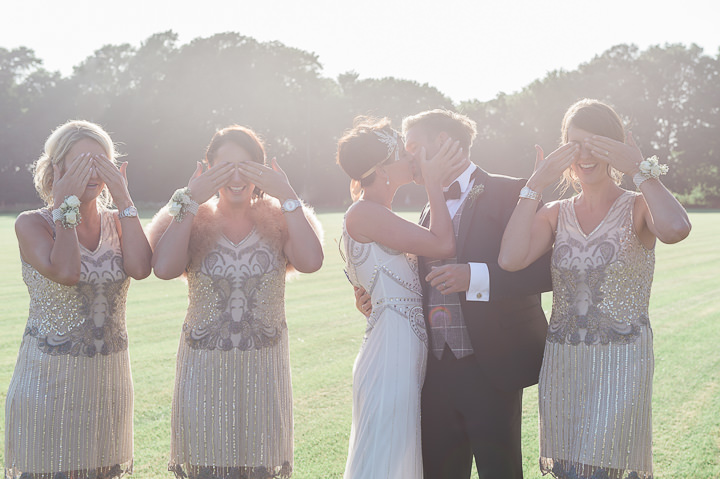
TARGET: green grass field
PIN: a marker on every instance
(326, 332)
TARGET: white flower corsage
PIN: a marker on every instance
(182, 203)
(649, 168)
(68, 214)
(475, 191)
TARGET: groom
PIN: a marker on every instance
(486, 327)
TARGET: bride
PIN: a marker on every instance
(381, 250)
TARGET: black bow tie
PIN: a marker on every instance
(454, 193)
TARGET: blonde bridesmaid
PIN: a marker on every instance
(68, 413)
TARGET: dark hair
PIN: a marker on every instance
(434, 122)
(594, 117)
(359, 149)
(597, 118)
(243, 137)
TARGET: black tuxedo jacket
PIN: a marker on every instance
(508, 331)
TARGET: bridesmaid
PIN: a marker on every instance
(232, 406)
(68, 413)
(596, 378)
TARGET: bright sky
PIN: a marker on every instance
(468, 49)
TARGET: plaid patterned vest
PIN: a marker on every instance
(445, 319)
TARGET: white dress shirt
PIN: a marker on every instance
(479, 289)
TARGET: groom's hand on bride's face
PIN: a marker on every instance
(450, 278)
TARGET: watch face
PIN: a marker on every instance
(129, 211)
(290, 205)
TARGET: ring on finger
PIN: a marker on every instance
(443, 285)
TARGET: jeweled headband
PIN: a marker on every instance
(390, 140)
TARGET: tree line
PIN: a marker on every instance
(162, 101)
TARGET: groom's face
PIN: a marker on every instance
(416, 138)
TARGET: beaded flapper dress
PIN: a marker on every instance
(596, 380)
(232, 405)
(69, 407)
(390, 369)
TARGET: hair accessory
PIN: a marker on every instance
(182, 203)
(390, 140)
(68, 213)
(649, 168)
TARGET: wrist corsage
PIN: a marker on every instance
(182, 203)
(649, 168)
(68, 214)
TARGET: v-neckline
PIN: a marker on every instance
(235, 245)
(100, 241)
(602, 221)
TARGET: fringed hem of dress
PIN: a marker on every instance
(563, 469)
(188, 471)
(105, 472)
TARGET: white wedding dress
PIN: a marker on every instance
(390, 368)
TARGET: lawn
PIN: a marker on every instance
(326, 332)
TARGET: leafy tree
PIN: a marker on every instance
(163, 101)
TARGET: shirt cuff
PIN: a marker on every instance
(479, 289)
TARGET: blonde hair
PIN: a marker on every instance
(597, 118)
(58, 144)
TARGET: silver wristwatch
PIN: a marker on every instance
(290, 205)
(129, 212)
(526, 192)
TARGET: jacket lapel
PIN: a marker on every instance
(424, 220)
(425, 216)
(470, 209)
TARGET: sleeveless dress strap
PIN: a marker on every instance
(46, 213)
